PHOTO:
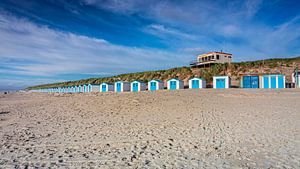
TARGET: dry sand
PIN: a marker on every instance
(208, 128)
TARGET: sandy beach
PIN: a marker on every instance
(232, 128)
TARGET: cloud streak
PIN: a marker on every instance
(40, 51)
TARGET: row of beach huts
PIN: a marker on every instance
(273, 81)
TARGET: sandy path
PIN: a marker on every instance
(165, 129)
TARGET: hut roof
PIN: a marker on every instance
(196, 78)
(175, 79)
(106, 83)
(139, 81)
(156, 80)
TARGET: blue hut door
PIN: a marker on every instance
(195, 84)
(247, 82)
(173, 85)
(280, 82)
(220, 83)
(103, 88)
(266, 82)
(273, 82)
(135, 87)
(153, 86)
(254, 82)
(118, 87)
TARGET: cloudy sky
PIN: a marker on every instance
(44, 41)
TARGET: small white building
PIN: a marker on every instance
(296, 78)
(174, 84)
(221, 82)
(106, 87)
(80, 89)
(155, 85)
(93, 88)
(121, 86)
(137, 86)
(85, 88)
(273, 81)
(197, 83)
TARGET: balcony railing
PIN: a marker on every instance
(195, 62)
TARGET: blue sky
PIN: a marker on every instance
(45, 41)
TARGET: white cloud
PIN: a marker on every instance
(34, 50)
(166, 32)
(49, 52)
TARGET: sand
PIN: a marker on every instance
(208, 128)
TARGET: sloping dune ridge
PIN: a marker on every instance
(234, 128)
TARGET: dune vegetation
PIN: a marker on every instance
(279, 65)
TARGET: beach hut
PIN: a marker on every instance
(155, 85)
(68, 89)
(174, 83)
(72, 89)
(89, 88)
(105, 87)
(197, 83)
(136, 86)
(79, 89)
(249, 81)
(274, 81)
(296, 78)
(221, 82)
(122, 86)
(85, 89)
(93, 88)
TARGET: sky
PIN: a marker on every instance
(46, 41)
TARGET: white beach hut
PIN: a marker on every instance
(197, 83)
(136, 86)
(85, 88)
(122, 86)
(221, 82)
(274, 81)
(93, 88)
(80, 89)
(174, 83)
(72, 89)
(296, 78)
(155, 85)
(105, 87)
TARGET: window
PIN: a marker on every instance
(218, 57)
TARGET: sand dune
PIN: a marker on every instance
(208, 128)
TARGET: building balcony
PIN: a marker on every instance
(197, 63)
